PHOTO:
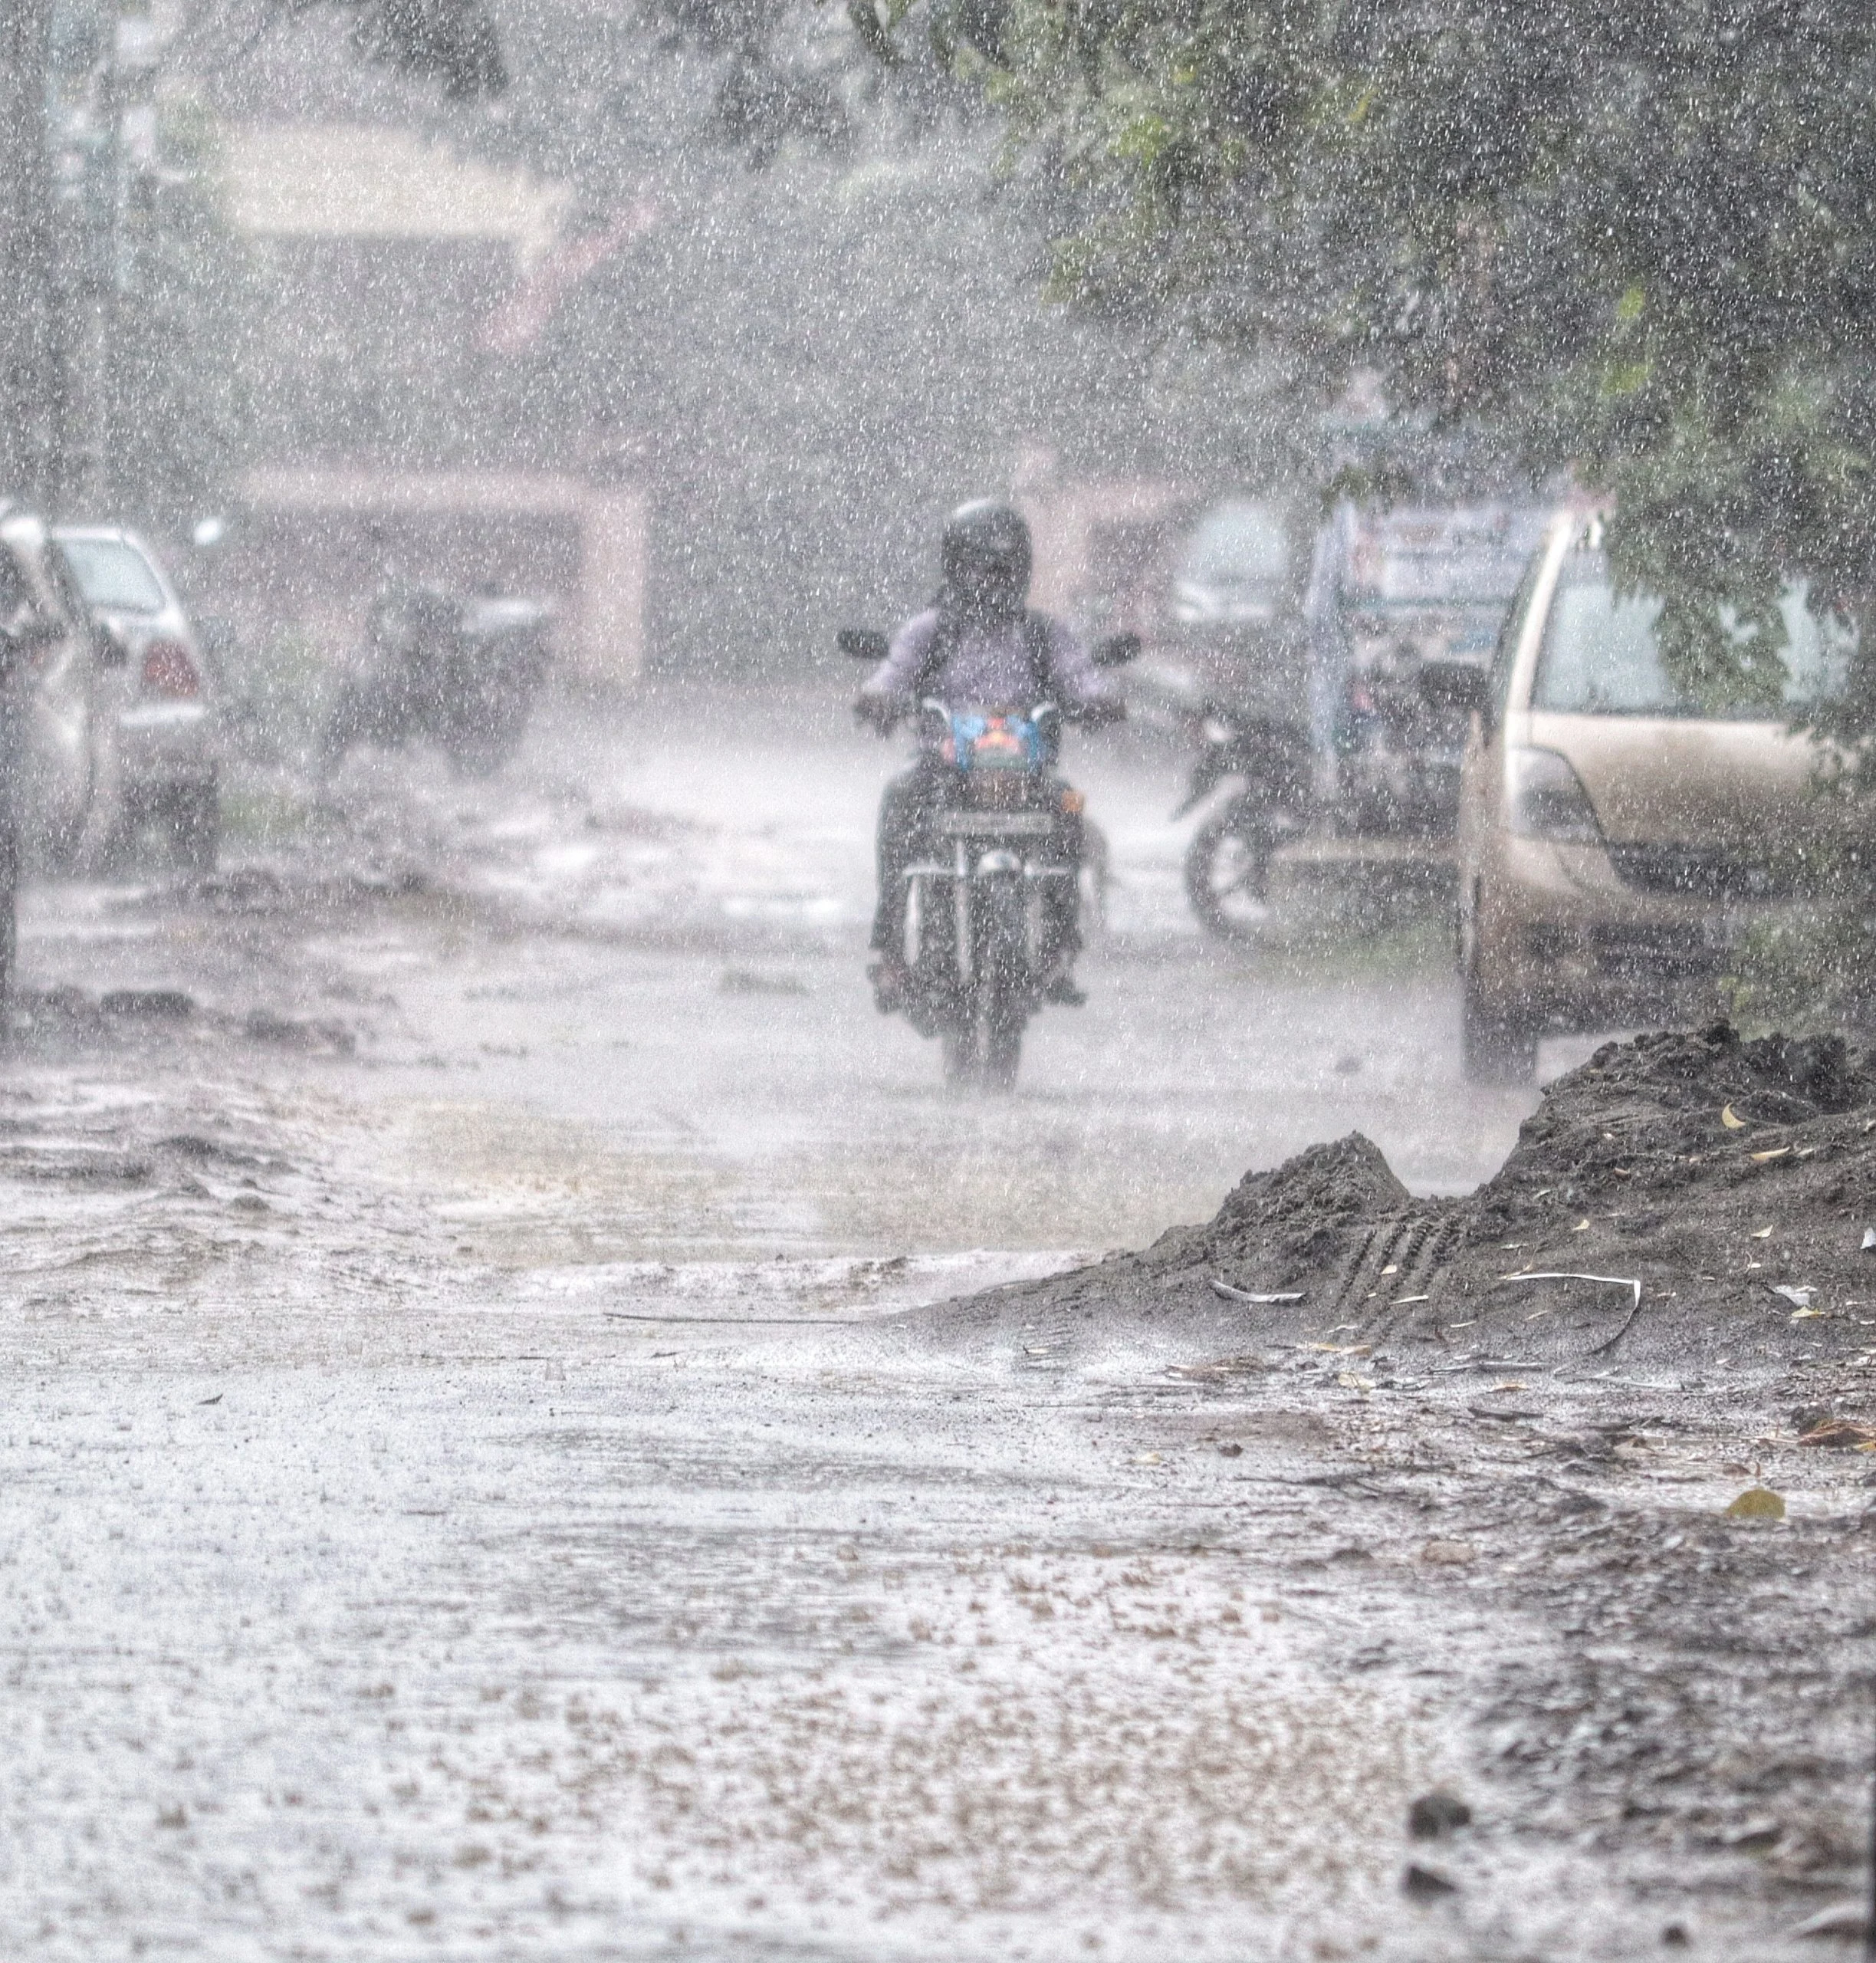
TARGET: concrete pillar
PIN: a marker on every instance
(610, 637)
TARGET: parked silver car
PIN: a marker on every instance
(152, 719)
(58, 648)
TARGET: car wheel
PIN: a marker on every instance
(1497, 1030)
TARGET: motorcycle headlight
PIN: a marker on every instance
(1548, 800)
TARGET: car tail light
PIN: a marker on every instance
(168, 670)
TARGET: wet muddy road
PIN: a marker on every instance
(465, 1494)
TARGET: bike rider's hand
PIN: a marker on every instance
(878, 712)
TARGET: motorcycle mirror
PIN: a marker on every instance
(1116, 650)
(1455, 685)
(863, 644)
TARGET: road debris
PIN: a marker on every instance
(1840, 1433)
(1757, 1503)
(1449, 1553)
(1847, 1921)
(1434, 1815)
(1225, 1292)
(1614, 1280)
(1424, 1886)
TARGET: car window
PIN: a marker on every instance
(112, 574)
(1602, 656)
(1240, 542)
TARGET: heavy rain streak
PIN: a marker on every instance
(938, 980)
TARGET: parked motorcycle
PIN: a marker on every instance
(1227, 864)
(463, 673)
(1402, 738)
(984, 902)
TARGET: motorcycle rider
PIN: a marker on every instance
(979, 645)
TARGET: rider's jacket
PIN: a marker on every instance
(1003, 664)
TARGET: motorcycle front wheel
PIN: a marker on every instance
(985, 1052)
(1227, 873)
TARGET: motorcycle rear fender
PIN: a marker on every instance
(1217, 763)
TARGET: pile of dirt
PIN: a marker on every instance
(1688, 1196)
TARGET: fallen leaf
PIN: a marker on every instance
(1759, 1158)
(1497, 1387)
(1144, 1458)
(1731, 1118)
(1757, 1503)
(1763, 1233)
(1449, 1553)
(1402, 1301)
(1842, 1434)
(1349, 1381)
(1803, 1315)
(1581, 1226)
(1393, 1267)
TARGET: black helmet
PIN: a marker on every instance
(986, 556)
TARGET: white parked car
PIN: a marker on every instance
(152, 711)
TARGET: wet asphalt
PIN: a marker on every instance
(463, 1494)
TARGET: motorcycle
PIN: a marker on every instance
(985, 905)
(1227, 864)
(1402, 736)
(463, 673)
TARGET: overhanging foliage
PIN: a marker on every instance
(1639, 242)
